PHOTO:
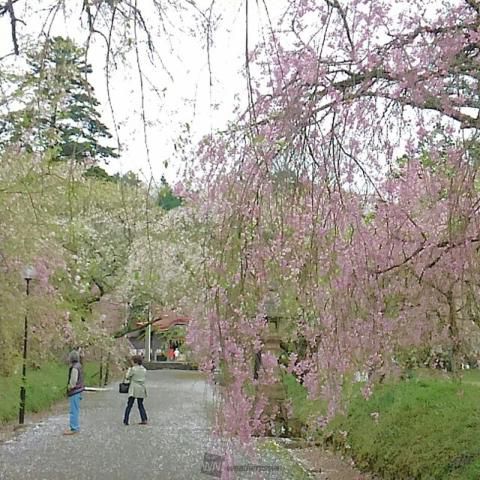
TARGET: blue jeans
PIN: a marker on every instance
(141, 409)
(75, 411)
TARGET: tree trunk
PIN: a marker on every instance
(453, 333)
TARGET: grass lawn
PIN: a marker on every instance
(45, 385)
(423, 428)
(426, 427)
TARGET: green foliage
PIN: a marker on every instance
(98, 173)
(78, 231)
(130, 178)
(416, 429)
(174, 333)
(45, 385)
(166, 199)
(58, 113)
(304, 410)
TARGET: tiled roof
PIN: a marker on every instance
(166, 320)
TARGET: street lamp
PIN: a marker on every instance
(28, 275)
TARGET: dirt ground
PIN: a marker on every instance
(325, 465)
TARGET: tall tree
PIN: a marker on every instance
(58, 112)
(166, 198)
(362, 266)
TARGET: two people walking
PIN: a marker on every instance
(135, 376)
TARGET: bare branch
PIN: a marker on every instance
(445, 244)
(8, 8)
(343, 14)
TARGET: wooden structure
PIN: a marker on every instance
(159, 322)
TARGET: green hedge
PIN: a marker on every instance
(45, 386)
(416, 429)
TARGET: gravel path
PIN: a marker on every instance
(171, 447)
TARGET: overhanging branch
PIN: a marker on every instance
(8, 8)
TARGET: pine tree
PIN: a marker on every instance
(58, 113)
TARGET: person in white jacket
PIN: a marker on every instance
(136, 376)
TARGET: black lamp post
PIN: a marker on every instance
(28, 275)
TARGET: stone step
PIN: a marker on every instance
(176, 365)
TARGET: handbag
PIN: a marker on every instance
(123, 387)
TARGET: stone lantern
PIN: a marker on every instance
(275, 394)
